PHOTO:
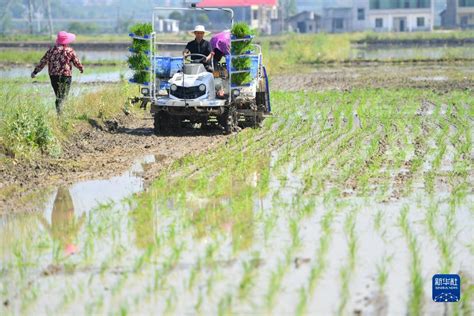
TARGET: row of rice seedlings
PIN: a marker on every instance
(157, 283)
(421, 136)
(347, 270)
(276, 278)
(326, 140)
(320, 265)
(440, 140)
(250, 273)
(376, 159)
(210, 280)
(415, 304)
(318, 169)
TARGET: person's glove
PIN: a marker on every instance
(82, 71)
(33, 74)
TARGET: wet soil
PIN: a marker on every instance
(440, 76)
(98, 151)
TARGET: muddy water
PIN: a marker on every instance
(85, 196)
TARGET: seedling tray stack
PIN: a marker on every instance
(140, 60)
(241, 49)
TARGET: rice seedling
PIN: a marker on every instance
(415, 303)
(382, 272)
(250, 271)
(224, 306)
(170, 302)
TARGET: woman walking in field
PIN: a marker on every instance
(60, 59)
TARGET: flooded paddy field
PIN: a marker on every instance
(351, 197)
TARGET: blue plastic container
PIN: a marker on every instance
(162, 66)
(164, 85)
(254, 67)
(176, 65)
(166, 67)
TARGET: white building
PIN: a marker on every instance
(360, 9)
(401, 16)
(166, 25)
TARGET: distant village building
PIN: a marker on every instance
(304, 22)
(345, 16)
(360, 10)
(257, 13)
(337, 20)
(458, 13)
(166, 25)
(401, 16)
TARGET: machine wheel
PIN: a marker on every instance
(229, 120)
(255, 121)
(164, 123)
(159, 123)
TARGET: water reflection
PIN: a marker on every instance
(232, 208)
(64, 226)
(143, 226)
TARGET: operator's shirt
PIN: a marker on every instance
(203, 48)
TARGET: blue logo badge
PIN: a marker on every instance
(446, 288)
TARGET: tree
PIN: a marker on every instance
(175, 15)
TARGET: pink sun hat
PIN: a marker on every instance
(65, 38)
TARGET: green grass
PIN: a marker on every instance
(29, 128)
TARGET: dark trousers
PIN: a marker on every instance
(61, 85)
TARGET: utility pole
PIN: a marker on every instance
(47, 4)
(30, 16)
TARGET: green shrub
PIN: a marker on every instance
(26, 129)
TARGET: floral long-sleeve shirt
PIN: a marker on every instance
(60, 60)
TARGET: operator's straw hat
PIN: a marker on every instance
(65, 38)
(199, 28)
